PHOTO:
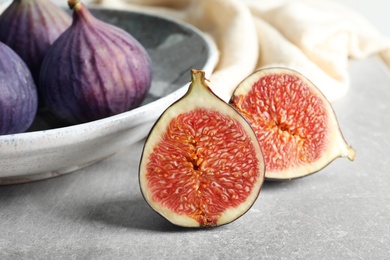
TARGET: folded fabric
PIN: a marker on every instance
(314, 37)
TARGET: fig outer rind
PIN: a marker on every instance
(18, 94)
(199, 95)
(29, 27)
(336, 145)
(94, 70)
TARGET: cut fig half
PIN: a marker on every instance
(201, 164)
(295, 124)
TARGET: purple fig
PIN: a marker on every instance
(94, 70)
(18, 94)
(29, 27)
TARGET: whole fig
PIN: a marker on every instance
(94, 70)
(18, 94)
(29, 27)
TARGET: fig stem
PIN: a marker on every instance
(198, 75)
(74, 4)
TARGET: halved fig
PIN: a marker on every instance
(201, 164)
(293, 121)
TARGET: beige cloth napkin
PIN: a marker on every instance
(314, 37)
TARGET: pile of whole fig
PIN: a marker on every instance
(80, 69)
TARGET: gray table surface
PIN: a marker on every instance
(341, 212)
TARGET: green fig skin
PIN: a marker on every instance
(30, 27)
(18, 93)
(94, 70)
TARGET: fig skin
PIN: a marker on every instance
(294, 122)
(94, 70)
(30, 27)
(201, 165)
(18, 93)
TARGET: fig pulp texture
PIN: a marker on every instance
(94, 70)
(201, 164)
(30, 27)
(294, 123)
(18, 94)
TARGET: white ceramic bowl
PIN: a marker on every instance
(50, 149)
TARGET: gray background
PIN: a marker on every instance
(376, 12)
(342, 212)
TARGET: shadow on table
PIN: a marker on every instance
(281, 184)
(133, 214)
